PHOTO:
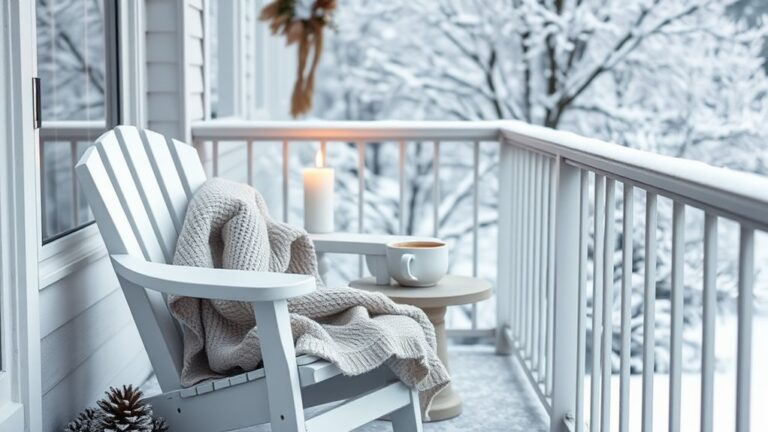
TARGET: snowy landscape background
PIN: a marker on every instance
(685, 78)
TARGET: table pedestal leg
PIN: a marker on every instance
(447, 404)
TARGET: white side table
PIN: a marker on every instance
(450, 291)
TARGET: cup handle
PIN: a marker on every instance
(405, 267)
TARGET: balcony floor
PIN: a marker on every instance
(495, 393)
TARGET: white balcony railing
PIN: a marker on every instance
(223, 136)
(547, 181)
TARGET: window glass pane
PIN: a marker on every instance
(71, 66)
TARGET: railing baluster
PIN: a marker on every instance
(506, 289)
(528, 208)
(360, 196)
(542, 339)
(597, 301)
(551, 273)
(324, 152)
(708, 322)
(524, 192)
(517, 211)
(566, 291)
(249, 161)
(475, 218)
(286, 177)
(678, 265)
(401, 212)
(532, 222)
(626, 305)
(215, 157)
(436, 191)
(75, 190)
(582, 304)
(607, 344)
(536, 264)
(649, 312)
(744, 349)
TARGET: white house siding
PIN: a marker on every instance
(195, 60)
(175, 56)
(88, 342)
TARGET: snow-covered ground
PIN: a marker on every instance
(724, 390)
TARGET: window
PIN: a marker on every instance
(76, 103)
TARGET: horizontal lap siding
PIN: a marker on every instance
(163, 57)
(88, 342)
(83, 387)
(175, 66)
(195, 61)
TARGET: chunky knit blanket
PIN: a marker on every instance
(227, 225)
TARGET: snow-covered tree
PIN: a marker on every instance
(675, 63)
(678, 77)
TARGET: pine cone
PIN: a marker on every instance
(87, 421)
(159, 425)
(125, 411)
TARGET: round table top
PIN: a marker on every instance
(450, 291)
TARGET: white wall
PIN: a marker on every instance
(175, 56)
(88, 342)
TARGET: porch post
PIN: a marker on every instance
(230, 54)
(566, 295)
(503, 279)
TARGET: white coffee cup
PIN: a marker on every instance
(417, 263)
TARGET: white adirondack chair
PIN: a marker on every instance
(138, 184)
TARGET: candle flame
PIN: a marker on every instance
(320, 159)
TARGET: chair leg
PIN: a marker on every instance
(408, 418)
(286, 409)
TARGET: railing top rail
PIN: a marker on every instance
(738, 195)
(734, 194)
(345, 130)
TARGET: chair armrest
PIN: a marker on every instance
(200, 282)
(360, 244)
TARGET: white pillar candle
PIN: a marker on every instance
(318, 197)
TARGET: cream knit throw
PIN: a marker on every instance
(228, 226)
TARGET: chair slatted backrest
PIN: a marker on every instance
(138, 184)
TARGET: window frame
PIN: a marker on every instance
(20, 377)
(124, 33)
(91, 129)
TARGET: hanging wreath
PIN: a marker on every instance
(301, 21)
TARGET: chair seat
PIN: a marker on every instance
(312, 370)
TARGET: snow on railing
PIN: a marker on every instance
(546, 179)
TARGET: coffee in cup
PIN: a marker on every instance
(417, 263)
